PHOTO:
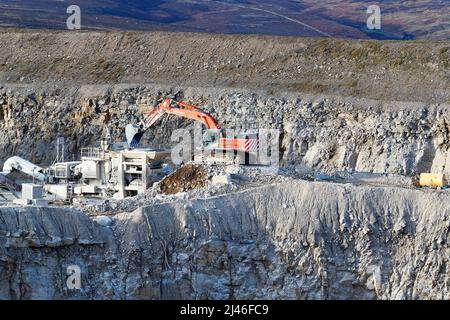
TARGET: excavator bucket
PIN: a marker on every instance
(134, 134)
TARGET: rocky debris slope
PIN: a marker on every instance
(295, 240)
(394, 70)
(38, 244)
(267, 236)
(323, 133)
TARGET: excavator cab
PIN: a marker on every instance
(215, 140)
(211, 138)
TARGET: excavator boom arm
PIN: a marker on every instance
(183, 110)
(134, 133)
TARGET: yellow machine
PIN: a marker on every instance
(433, 180)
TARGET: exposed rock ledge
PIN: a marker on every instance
(296, 240)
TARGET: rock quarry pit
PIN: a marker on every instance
(273, 233)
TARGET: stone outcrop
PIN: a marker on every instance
(337, 106)
(323, 133)
(295, 240)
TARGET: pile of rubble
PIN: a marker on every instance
(192, 181)
(188, 177)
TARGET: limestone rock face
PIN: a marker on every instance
(264, 236)
(295, 240)
(322, 133)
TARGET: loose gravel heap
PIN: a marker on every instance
(186, 178)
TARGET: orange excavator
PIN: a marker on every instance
(214, 140)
